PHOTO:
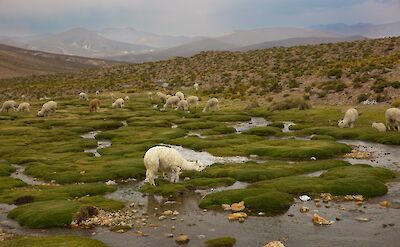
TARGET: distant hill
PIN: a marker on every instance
(133, 36)
(20, 62)
(256, 36)
(363, 29)
(228, 42)
(185, 50)
(340, 73)
(301, 41)
(82, 42)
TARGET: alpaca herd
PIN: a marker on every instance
(392, 116)
(167, 159)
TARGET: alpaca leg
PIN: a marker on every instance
(150, 177)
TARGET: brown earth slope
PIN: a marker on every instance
(20, 62)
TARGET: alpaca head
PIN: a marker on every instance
(199, 165)
(342, 124)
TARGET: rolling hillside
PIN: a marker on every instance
(20, 62)
(343, 73)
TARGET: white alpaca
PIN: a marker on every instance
(83, 96)
(193, 101)
(180, 95)
(23, 107)
(196, 86)
(47, 109)
(212, 104)
(171, 102)
(350, 117)
(380, 127)
(118, 103)
(161, 96)
(393, 119)
(182, 105)
(167, 160)
(8, 105)
(126, 98)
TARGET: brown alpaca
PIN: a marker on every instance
(94, 105)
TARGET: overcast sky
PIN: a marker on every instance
(187, 17)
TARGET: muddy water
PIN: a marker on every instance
(293, 228)
(386, 156)
(100, 143)
(286, 127)
(19, 174)
(254, 122)
(206, 158)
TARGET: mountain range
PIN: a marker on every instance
(131, 45)
(364, 29)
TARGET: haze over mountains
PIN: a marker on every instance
(131, 45)
(364, 29)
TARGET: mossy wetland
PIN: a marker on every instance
(274, 165)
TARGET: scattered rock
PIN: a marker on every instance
(304, 198)
(236, 207)
(84, 213)
(384, 204)
(167, 213)
(358, 198)
(162, 217)
(318, 220)
(274, 244)
(237, 216)
(182, 239)
(362, 219)
(111, 182)
(226, 207)
(304, 209)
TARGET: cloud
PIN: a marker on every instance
(188, 17)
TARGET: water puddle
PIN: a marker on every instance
(314, 174)
(254, 122)
(206, 158)
(100, 143)
(19, 174)
(198, 135)
(386, 156)
(237, 185)
(286, 127)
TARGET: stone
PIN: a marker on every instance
(226, 207)
(236, 207)
(111, 182)
(167, 213)
(182, 239)
(236, 216)
(318, 220)
(274, 244)
(304, 198)
(162, 217)
(358, 198)
(362, 219)
(304, 209)
(384, 204)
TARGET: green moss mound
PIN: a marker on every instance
(276, 195)
(221, 242)
(59, 241)
(56, 213)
